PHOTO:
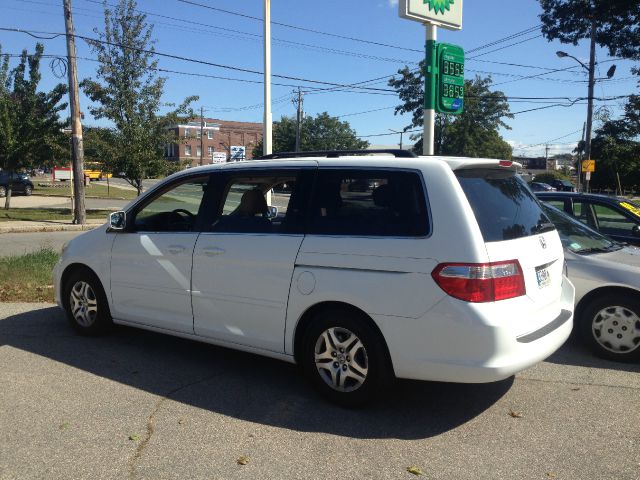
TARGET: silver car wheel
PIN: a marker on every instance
(341, 359)
(617, 329)
(84, 304)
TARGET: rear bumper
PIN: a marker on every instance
(476, 344)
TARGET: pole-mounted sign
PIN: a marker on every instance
(444, 64)
(442, 13)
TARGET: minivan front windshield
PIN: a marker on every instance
(577, 237)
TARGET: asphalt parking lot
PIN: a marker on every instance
(139, 405)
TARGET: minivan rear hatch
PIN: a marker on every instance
(514, 227)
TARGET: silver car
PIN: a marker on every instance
(606, 275)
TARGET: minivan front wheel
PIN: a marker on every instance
(3, 192)
(28, 191)
(344, 358)
(611, 325)
(86, 303)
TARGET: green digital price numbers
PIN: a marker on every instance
(450, 84)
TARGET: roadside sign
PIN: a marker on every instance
(219, 157)
(587, 176)
(450, 83)
(443, 13)
(588, 166)
(237, 153)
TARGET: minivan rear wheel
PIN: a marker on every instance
(28, 191)
(3, 192)
(610, 325)
(86, 304)
(344, 358)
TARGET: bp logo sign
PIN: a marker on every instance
(442, 13)
(439, 6)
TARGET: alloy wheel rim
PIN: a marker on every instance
(341, 359)
(617, 329)
(84, 304)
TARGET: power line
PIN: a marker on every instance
(295, 27)
(505, 39)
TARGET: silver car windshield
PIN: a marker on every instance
(577, 237)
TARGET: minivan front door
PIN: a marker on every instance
(151, 262)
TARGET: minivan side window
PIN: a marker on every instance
(261, 203)
(368, 203)
(175, 210)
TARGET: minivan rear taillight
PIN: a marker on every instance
(481, 282)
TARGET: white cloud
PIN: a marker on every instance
(393, 3)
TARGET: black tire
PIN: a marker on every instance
(373, 354)
(28, 191)
(81, 292)
(610, 319)
(3, 192)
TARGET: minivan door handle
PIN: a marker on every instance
(176, 249)
(213, 251)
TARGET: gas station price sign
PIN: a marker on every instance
(450, 84)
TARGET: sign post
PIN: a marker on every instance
(433, 14)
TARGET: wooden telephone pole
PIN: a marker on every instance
(77, 149)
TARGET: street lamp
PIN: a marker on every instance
(592, 80)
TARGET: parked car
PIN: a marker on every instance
(448, 271)
(606, 276)
(563, 185)
(541, 187)
(615, 217)
(20, 183)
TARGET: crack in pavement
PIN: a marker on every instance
(151, 423)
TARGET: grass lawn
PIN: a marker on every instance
(44, 214)
(27, 278)
(93, 190)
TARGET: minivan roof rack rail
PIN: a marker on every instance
(338, 153)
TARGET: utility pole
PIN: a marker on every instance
(201, 134)
(592, 70)
(267, 128)
(400, 132)
(77, 149)
(546, 155)
(299, 117)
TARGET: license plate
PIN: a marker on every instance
(543, 277)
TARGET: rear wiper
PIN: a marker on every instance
(543, 227)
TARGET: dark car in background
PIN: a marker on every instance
(616, 217)
(562, 185)
(20, 183)
(541, 187)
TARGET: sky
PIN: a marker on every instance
(339, 42)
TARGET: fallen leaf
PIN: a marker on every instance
(551, 475)
(415, 470)
(63, 426)
(575, 389)
(134, 438)
(515, 414)
(243, 460)
(181, 421)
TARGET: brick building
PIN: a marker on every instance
(218, 138)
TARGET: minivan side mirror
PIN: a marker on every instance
(117, 221)
(636, 230)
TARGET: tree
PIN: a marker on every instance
(322, 132)
(128, 92)
(617, 24)
(474, 133)
(31, 132)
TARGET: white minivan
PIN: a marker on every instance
(360, 268)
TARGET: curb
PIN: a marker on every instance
(47, 228)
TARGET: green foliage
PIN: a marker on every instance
(128, 92)
(322, 132)
(474, 133)
(617, 23)
(551, 175)
(30, 126)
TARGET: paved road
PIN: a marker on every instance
(71, 404)
(21, 243)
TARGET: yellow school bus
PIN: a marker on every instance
(93, 171)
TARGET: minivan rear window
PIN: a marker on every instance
(503, 205)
